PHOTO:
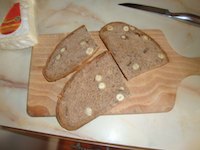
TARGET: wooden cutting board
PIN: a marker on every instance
(154, 91)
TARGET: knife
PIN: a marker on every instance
(185, 17)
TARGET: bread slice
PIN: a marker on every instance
(70, 54)
(92, 91)
(134, 51)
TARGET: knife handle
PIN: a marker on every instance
(186, 17)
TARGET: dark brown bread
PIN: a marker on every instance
(133, 50)
(70, 54)
(91, 92)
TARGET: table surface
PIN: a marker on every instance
(177, 129)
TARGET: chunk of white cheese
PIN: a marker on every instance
(26, 35)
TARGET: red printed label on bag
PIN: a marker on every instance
(12, 20)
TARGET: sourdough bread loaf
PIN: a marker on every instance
(70, 54)
(134, 51)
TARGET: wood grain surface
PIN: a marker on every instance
(154, 91)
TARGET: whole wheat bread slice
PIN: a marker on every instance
(70, 54)
(134, 51)
(92, 91)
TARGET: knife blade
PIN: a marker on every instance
(184, 17)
